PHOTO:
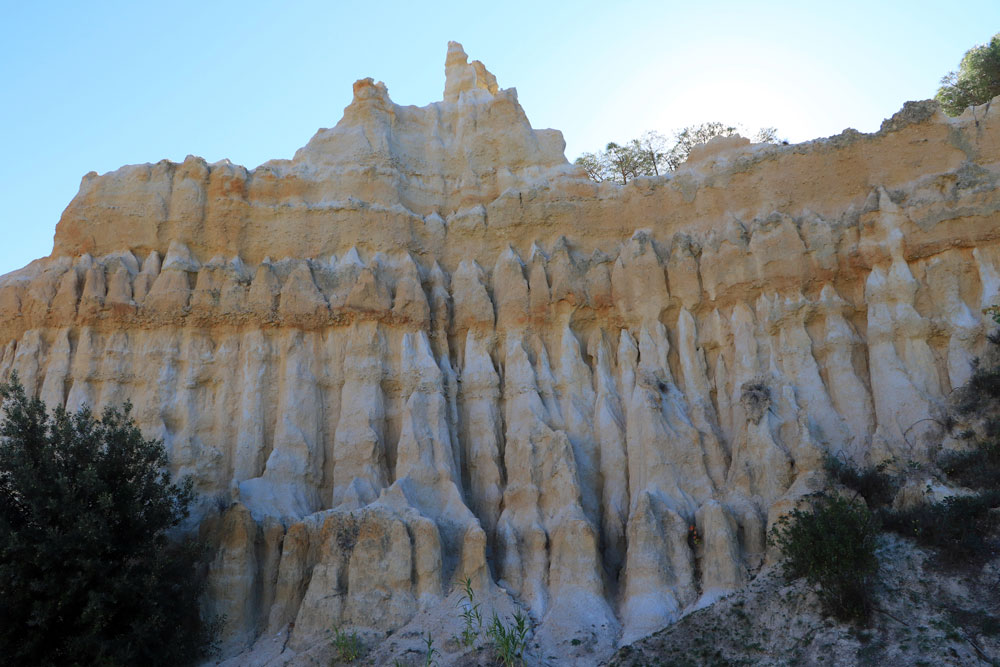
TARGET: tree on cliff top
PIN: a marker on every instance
(977, 80)
(652, 154)
(88, 574)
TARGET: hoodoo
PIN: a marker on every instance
(428, 348)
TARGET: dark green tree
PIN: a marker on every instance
(977, 80)
(88, 572)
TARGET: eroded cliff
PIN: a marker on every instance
(428, 348)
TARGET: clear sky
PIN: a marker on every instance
(91, 86)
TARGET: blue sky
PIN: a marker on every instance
(93, 86)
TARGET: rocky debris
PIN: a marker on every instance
(924, 616)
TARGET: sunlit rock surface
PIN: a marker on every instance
(428, 348)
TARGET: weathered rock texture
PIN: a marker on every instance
(427, 348)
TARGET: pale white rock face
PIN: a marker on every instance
(359, 461)
(428, 349)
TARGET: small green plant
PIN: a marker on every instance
(429, 656)
(509, 641)
(832, 545)
(471, 616)
(347, 647)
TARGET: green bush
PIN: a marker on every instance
(88, 575)
(958, 527)
(977, 403)
(873, 483)
(832, 545)
(978, 468)
(961, 528)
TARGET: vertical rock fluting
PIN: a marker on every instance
(601, 424)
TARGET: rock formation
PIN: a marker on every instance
(428, 348)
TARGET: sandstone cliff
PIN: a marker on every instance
(428, 348)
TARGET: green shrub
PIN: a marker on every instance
(978, 400)
(977, 403)
(88, 575)
(832, 545)
(958, 527)
(873, 483)
(978, 468)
